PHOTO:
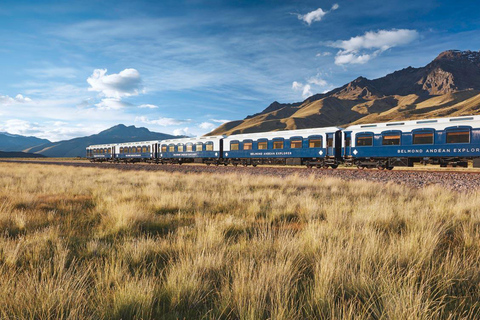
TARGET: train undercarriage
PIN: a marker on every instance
(327, 162)
(390, 163)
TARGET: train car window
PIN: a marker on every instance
(121, 149)
(180, 148)
(144, 149)
(295, 144)
(315, 143)
(233, 146)
(164, 148)
(247, 146)
(189, 147)
(458, 137)
(171, 148)
(109, 150)
(364, 141)
(423, 138)
(348, 142)
(199, 146)
(209, 146)
(148, 149)
(262, 145)
(277, 144)
(391, 140)
(329, 142)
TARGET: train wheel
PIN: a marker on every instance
(361, 167)
(334, 166)
(254, 164)
(389, 168)
(380, 167)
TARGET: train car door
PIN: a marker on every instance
(348, 143)
(113, 152)
(330, 144)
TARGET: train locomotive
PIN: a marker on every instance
(444, 141)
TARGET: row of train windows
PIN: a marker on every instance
(418, 138)
(187, 148)
(294, 144)
(143, 149)
(101, 151)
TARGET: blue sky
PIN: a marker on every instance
(74, 68)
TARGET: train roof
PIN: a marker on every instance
(284, 134)
(137, 143)
(134, 143)
(193, 139)
(435, 123)
(106, 145)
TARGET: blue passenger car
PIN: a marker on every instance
(439, 141)
(202, 150)
(313, 147)
(101, 152)
(144, 151)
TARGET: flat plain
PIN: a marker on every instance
(93, 243)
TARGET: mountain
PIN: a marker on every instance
(14, 142)
(76, 147)
(447, 86)
(18, 154)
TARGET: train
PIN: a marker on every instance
(443, 141)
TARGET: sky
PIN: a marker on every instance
(75, 68)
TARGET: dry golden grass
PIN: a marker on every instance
(84, 243)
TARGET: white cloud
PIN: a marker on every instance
(206, 125)
(360, 49)
(148, 106)
(316, 15)
(7, 101)
(162, 121)
(307, 91)
(317, 81)
(112, 104)
(181, 132)
(297, 85)
(307, 88)
(221, 121)
(323, 54)
(124, 84)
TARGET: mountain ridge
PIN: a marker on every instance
(452, 78)
(76, 147)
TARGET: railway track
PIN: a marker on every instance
(463, 181)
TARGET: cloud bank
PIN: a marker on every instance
(162, 121)
(360, 49)
(7, 101)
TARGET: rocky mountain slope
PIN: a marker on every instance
(76, 147)
(447, 86)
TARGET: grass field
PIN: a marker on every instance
(85, 243)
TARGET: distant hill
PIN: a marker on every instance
(447, 86)
(18, 154)
(15, 142)
(76, 147)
